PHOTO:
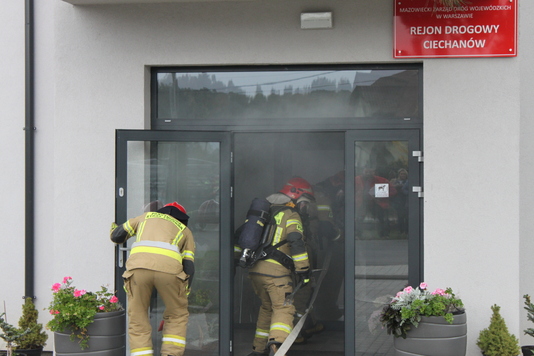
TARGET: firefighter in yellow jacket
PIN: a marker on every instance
(272, 277)
(162, 257)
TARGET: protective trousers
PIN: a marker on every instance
(275, 320)
(139, 284)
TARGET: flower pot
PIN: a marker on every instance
(107, 337)
(527, 350)
(435, 337)
(29, 352)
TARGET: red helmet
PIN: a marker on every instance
(176, 205)
(296, 187)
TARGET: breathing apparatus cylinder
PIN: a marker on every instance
(251, 235)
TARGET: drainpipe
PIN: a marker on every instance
(29, 131)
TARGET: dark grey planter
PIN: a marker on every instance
(435, 337)
(107, 337)
(527, 350)
(29, 352)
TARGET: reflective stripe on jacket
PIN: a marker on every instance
(157, 247)
(162, 242)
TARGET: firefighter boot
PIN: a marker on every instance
(274, 348)
(300, 340)
(315, 329)
(304, 335)
(255, 353)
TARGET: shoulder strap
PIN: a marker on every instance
(275, 209)
(262, 214)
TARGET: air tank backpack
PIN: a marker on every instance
(254, 237)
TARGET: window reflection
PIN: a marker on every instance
(381, 237)
(287, 94)
(187, 172)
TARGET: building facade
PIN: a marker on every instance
(139, 102)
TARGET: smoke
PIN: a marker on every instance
(264, 162)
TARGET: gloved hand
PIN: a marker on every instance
(113, 227)
(189, 269)
(303, 277)
(189, 284)
(187, 289)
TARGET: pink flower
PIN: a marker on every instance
(438, 291)
(399, 294)
(53, 312)
(66, 279)
(56, 287)
(113, 299)
(101, 307)
(423, 286)
(408, 289)
(79, 292)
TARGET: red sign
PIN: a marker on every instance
(478, 28)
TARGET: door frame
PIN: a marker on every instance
(225, 174)
(226, 139)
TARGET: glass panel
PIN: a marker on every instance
(263, 163)
(186, 172)
(287, 94)
(381, 241)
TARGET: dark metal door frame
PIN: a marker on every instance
(413, 136)
(225, 247)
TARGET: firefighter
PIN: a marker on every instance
(162, 257)
(328, 229)
(272, 277)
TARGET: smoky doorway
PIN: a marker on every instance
(263, 163)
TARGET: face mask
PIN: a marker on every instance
(303, 207)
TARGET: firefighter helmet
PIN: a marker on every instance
(297, 187)
(176, 205)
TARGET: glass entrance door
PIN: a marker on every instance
(156, 168)
(364, 183)
(383, 221)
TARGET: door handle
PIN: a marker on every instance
(122, 255)
(419, 191)
(419, 155)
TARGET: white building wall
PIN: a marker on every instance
(92, 79)
(526, 156)
(471, 188)
(12, 158)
